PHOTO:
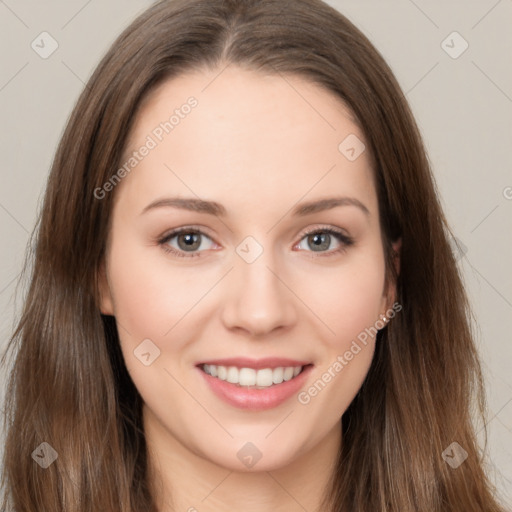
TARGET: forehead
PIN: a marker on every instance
(245, 95)
(247, 132)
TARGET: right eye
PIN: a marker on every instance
(185, 242)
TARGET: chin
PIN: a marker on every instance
(253, 456)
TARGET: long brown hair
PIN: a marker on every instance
(69, 386)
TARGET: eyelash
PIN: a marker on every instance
(344, 240)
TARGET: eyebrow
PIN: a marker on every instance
(214, 208)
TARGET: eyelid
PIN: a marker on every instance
(324, 229)
(184, 229)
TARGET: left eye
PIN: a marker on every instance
(321, 240)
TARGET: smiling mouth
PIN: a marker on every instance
(251, 378)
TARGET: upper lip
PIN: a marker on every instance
(257, 364)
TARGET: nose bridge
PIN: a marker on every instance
(259, 302)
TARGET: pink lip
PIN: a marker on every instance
(257, 364)
(256, 399)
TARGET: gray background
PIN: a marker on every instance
(463, 106)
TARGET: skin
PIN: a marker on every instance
(259, 145)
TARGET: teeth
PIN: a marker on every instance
(247, 377)
(277, 375)
(222, 372)
(232, 375)
(263, 378)
(288, 373)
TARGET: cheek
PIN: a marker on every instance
(151, 300)
(349, 298)
(350, 306)
(150, 294)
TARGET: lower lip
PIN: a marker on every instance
(256, 399)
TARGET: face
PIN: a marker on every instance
(245, 266)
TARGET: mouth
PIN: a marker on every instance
(255, 384)
(251, 377)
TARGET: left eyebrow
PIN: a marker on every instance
(328, 203)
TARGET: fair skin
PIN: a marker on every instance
(260, 146)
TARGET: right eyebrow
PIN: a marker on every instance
(192, 204)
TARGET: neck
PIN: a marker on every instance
(184, 481)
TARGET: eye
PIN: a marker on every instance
(320, 240)
(188, 240)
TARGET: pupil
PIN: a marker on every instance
(320, 240)
(190, 241)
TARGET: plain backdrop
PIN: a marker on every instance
(461, 97)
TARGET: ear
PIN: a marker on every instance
(106, 304)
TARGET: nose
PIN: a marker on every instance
(259, 300)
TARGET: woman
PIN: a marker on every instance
(243, 295)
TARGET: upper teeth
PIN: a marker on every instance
(251, 377)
